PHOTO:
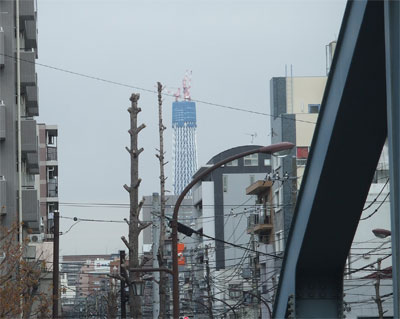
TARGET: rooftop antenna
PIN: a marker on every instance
(253, 136)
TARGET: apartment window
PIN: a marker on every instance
(225, 183)
(277, 199)
(301, 162)
(279, 241)
(267, 162)
(233, 163)
(251, 160)
(314, 108)
(302, 152)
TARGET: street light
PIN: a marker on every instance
(138, 287)
(381, 233)
(284, 146)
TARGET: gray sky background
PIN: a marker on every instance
(233, 49)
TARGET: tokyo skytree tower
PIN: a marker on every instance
(184, 138)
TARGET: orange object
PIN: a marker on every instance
(181, 258)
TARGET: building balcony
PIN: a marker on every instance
(26, 11)
(3, 196)
(51, 153)
(261, 225)
(31, 100)
(28, 74)
(30, 208)
(259, 188)
(30, 35)
(32, 163)
(2, 121)
(52, 188)
(28, 135)
(257, 223)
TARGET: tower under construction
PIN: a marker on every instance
(184, 138)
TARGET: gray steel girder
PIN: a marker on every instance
(347, 143)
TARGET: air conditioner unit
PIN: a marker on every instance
(36, 238)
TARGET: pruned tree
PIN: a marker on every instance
(160, 155)
(112, 301)
(135, 224)
(20, 280)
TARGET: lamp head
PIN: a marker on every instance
(278, 149)
(381, 233)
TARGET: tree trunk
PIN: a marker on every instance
(135, 304)
(160, 256)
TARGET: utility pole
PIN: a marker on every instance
(56, 251)
(208, 285)
(160, 156)
(123, 297)
(255, 264)
(155, 237)
(378, 298)
(193, 280)
(135, 225)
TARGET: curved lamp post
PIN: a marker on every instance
(274, 148)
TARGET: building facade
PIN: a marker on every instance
(9, 114)
(222, 271)
(86, 285)
(295, 104)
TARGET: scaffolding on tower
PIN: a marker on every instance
(184, 137)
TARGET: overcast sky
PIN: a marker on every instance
(233, 49)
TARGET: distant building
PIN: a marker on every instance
(48, 175)
(184, 144)
(9, 170)
(295, 105)
(72, 265)
(222, 208)
(87, 276)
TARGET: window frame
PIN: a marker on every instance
(312, 106)
(233, 163)
(250, 160)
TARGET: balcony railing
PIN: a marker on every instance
(51, 153)
(52, 188)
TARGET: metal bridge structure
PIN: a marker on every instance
(360, 109)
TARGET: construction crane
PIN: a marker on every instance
(186, 84)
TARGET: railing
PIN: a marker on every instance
(52, 188)
(51, 153)
(256, 219)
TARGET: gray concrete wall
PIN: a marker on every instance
(237, 207)
(8, 147)
(219, 204)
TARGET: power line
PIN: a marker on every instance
(377, 209)
(379, 194)
(91, 77)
